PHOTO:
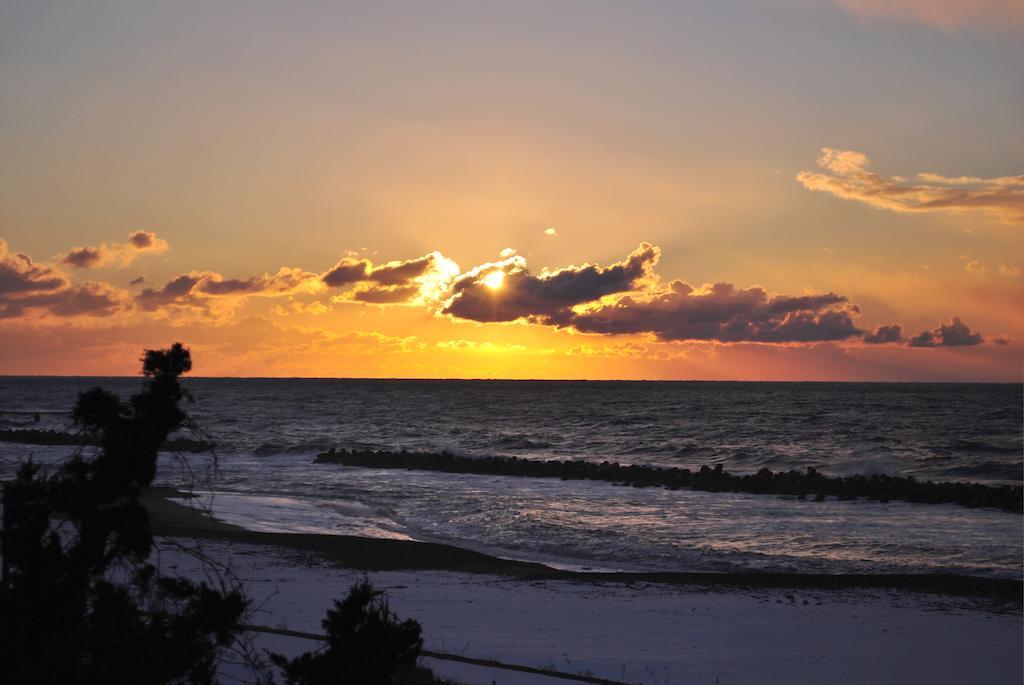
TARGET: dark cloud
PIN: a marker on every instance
(27, 287)
(175, 291)
(724, 313)
(87, 299)
(350, 271)
(721, 312)
(347, 271)
(885, 334)
(953, 334)
(401, 273)
(142, 240)
(547, 298)
(137, 281)
(83, 257)
(230, 286)
(20, 275)
(11, 311)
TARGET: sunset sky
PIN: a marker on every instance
(739, 189)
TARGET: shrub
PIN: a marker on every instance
(366, 645)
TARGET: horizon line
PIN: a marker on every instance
(530, 380)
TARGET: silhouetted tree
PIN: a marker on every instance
(366, 645)
(79, 601)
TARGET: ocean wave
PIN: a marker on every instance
(982, 447)
(988, 470)
(521, 442)
(866, 467)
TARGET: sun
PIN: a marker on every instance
(494, 280)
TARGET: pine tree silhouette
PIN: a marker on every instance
(79, 600)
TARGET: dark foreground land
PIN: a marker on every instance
(172, 517)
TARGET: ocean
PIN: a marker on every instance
(268, 432)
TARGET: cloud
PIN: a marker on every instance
(87, 299)
(975, 266)
(412, 281)
(29, 288)
(20, 275)
(847, 176)
(83, 257)
(199, 290)
(626, 350)
(400, 273)
(121, 254)
(349, 271)
(550, 232)
(947, 15)
(953, 334)
(146, 240)
(723, 313)
(286, 281)
(623, 298)
(487, 346)
(627, 298)
(175, 291)
(547, 298)
(885, 335)
(391, 295)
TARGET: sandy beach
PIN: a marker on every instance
(637, 628)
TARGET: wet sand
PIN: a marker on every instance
(171, 515)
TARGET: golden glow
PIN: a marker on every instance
(494, 280)
(435, 284)
(444, 154)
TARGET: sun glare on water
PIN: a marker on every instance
(494, 280)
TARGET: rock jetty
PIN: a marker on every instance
(801, 484)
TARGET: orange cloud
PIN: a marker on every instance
(848, 177)
(210, 293)
(122, 254)
(626, 298)
(28, 288)
(412, 281)
(947, 15)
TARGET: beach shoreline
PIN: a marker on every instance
(614, 626)
(171, 517)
